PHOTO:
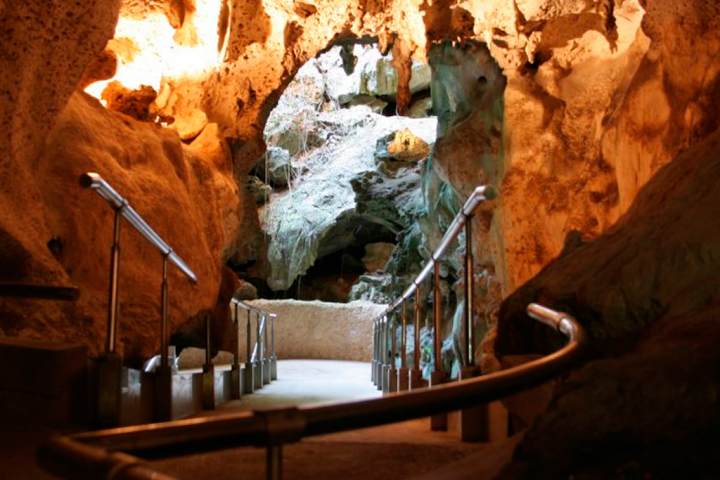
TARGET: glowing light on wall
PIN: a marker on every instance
(148, 50)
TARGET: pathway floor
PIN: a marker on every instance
(407, 450)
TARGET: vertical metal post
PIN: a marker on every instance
(236, 357)
(248, 338)
(110, 365)
(416, 380)
(163, 373)
(208, 353)
(416, 332)
(164, 314)
(438, 421)
(403, 337)
(273, 465)
(374, 353)
(249, 374)
(403, 382)
(236, 370)
(468, 313)
(437, 306)
(392, 364)
(273, 358)
(383, 353)
(257, 364)
(267, 367)
(208, 371)
(111, 340)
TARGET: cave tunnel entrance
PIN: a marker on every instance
(341, 177)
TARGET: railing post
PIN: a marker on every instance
(111, 339)
(468, 313)
(379, 355)
(416, 373)
(473, 420)
(257, 360)
(391, 378)
(267, 367)
(208, 371)
(110, 365)
(438, 421)
(403, 382)
(273, 465)
(382, 385)
(273, 358)
(374, 352)
(163, 373)
(249, 375)
(235, 372)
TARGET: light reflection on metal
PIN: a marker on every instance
(96, 182)
(437, 316)
(469, 346)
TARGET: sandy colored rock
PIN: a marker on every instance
(321, 330)
(186, 198)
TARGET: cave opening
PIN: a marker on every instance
(341, 173)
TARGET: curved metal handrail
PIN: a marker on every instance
(95, 454)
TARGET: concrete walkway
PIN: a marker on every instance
(407, 450)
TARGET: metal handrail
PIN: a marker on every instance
(95, 455)
(383, 370)
(262, 356)
(262, 314)
(479, 195)
(110, 370)
(96, 182)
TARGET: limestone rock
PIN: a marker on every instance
(133, 103)
(189, 126)
(46, 49)
(373, 75)
(186, 198)
(646, 291)
(377, 255)
(258, 189)
(322, 330)
(319, 215)
(275, 167)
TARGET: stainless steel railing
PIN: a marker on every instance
(260, 356)
(384, 372)
(110, 367)
(97, 455)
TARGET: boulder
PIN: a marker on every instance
(377, 255)
(275, 167)
(646, 291)
(321, 214)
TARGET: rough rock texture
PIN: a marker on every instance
(35, 84)
(322, 213)
(321, 330)
(164, 181)
(647, 293)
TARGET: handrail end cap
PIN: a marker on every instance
(87, 179)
